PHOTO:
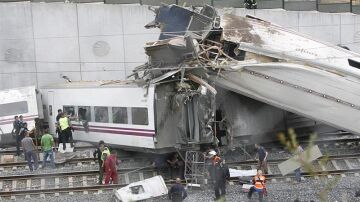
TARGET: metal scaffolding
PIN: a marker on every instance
(195, 168)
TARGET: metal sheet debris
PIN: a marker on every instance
(142, 190)
(309, 155)
(257, 59)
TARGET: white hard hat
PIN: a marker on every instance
(212, 153)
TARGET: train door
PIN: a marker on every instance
(192, 125)
(51, 112)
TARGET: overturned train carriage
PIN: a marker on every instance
(155, 118)
(267, 78)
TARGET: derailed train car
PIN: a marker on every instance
(22, 101)
(272, 74)
(153, 118)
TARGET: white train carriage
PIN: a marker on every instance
(120, 113)
(16, 102)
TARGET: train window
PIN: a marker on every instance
(69, 110)
(139, 116)
(119, 115)
(84, 113)
(101, 114)
(14, 108)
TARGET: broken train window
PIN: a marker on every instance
(139, 116)
(69, 110)
(119, 115)
(101, 114)
(84, 113)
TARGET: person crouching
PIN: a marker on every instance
(259, 185)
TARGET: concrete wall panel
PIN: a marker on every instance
(95, 19)
(135, 35)
(321, 26)
(112, 38)
(15, 21)
(57, 50)
(54, 20)
(281, 17)
(13, 80)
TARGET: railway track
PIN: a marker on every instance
(86, 181)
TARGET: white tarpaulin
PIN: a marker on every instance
(241, 173)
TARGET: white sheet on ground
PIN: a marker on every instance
(241, 173)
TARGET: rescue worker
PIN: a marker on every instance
(177, 192)
(29, 150)
(47, 145)
(20, 136)
(98, 153)
(175, 165)
(65, 129)
(214, 158)
(298, 151)
(259, 185)
(221, 175)
(111, 164)
(262, 158)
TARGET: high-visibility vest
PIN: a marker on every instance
(215, 159)
(106, 151)
(259, 182)
(64, 123)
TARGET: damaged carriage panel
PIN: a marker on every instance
(172, 20)
(170, 51)
(264, 38)
(177, 21)
(183, 114)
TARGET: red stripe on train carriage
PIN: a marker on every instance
(116, 132)
(12, 119)
(117, 128)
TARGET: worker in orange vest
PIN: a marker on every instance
(259, 185)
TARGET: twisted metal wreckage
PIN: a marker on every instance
(199, 52)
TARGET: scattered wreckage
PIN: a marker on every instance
(239, 74)
(257, 59)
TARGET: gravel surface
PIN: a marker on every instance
(308, 190)
(342, 165)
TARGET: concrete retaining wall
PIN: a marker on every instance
(40, 43)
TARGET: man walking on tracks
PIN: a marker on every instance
(30, 151)
(98, 153)
(177, 193)
(262, 155)
(221, 175)
(47, 144)
(111, 164)
(259, 186)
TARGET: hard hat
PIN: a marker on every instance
(212, 153)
